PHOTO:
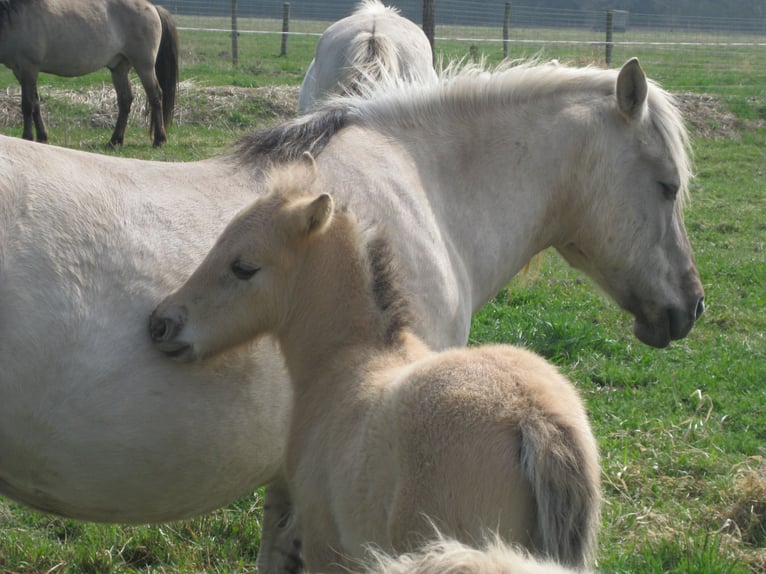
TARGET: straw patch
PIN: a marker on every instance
(196, 105)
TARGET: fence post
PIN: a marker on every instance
(234, 34)
(506, 28)
(609, 26)
(285, 27)
(429, 22)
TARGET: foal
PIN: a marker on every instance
(389, 440)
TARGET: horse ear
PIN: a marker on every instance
(316, 215)
(308, 160)
(632, 89)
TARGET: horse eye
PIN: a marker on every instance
(669, 190)
(243, 270)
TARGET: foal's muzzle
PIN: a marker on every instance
(164, 329)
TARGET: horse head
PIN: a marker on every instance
(630, 237)
(240, 289)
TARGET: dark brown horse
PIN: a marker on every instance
(76, 37)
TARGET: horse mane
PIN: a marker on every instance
(374, 7)
(465, 89)
(667, 119)
(297, 179)
(449, 556)
(385, 282)
(288, 141)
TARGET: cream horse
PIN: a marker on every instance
(473, 177)
(374, 44)
(388, 437)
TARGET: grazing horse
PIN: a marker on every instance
(473, 176)
(374, 44)
(76, 37)
(388, 437)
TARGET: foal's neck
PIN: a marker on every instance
(336, 319)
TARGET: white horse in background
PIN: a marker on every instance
(473, 177)
(388, 437)
(371, 45)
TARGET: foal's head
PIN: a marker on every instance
(243, 287)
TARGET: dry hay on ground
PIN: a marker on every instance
(706, 115)
(195, 104)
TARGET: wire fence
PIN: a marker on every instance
(722, 54)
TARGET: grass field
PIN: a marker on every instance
(682, 430)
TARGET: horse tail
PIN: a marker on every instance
(375, 59)
(166, 66)
(447, 556)
(559, 457)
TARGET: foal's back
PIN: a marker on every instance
(493, 437)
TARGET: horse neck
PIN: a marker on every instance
(332, 322)
(495, 180)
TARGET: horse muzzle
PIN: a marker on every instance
(671, 324)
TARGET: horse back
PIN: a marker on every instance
(48, 34)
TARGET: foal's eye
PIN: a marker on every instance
(669, 190)
(242, 270)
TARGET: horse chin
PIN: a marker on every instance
(670, 325)
(180, 352)
(656, 335)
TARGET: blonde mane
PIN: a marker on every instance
(463, 92)
(468, 89)
(297, 179)
(374, 7)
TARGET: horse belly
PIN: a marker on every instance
(94, 422)
(66, 40)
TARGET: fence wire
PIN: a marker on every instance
(723, 55)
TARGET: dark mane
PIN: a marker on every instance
(288, 141)
(385, 288)
(7, 7)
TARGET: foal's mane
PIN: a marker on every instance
(386, 291)
(291, 181)
(374, 7)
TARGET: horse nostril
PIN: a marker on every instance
(161, 328)
(700, 309)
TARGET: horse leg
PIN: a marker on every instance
(121, 82)
(154, 98)
(280, 550)
(30, 107)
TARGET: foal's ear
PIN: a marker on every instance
(631, 89)
(316, 214)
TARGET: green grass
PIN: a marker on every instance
(682, 430)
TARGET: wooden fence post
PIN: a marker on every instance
(234, 34)
(609, 29)
(506, 28)
(429, 22)
(285, 27)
